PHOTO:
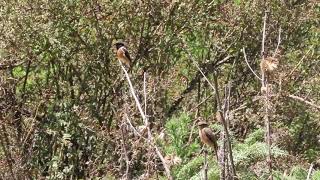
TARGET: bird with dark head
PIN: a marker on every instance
(119, 45)
(207, 136)
(123, 54)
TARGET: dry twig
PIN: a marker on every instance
(145, 120)
(266, 102)
(304, 101)
(245, 57)
(310, 171)
(215, 88)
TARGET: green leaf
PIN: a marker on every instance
(237, 2)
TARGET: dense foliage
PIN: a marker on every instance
(67, 112)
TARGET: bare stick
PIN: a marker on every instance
(227, 109)
(214, 88)
(204, 76)
(147, 123)
(262, 46)
(266, 103)
(299, 63)
(222, 156)
(225, 127)
(245, 58)
(132, 127)
(145, 120)
(279, 41)
(145, 92)
(125, 153)
(203, 101)
(205, 165)
(133, 93)
(304, 101)
(264, 33)
(310, 171)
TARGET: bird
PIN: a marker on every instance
(269, 64)
(123, 54)
(207, 136)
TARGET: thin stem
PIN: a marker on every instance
(133, 93)
(145, 92)
(310, 171)
(215, 89)
(125, 153)
(205, 165)
(264, 83)
(204, 76)
(264, 33)
(245, 58)
(304, 101)
(225, 127)
(279, 41)
(5, 144)
(145, 120)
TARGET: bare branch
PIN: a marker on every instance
(310, 171)
(245, 57)
(123, 145)
(266, 102)
(133, 93)
(204, 76)
(225, 126)
(203, 101)
(264, 33)
(304, 56)
(145, 120)
(202, 73)
(304, 101)
(205, 165)
(279, 41)
(145, 92)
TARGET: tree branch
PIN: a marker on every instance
(304, 101)
(245, 57)
(145, 120)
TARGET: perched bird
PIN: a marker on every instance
(123, 54)
(207, 136)
(269, 64)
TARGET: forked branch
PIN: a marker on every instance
(145, 120)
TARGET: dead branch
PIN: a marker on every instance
(266, 102)
(245, 57)
(145, 120)
(225, 127)
(304, 101)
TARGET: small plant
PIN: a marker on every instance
(178, 130)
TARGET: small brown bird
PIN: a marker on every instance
(207, 136)
(269, 64)
(123, 54)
